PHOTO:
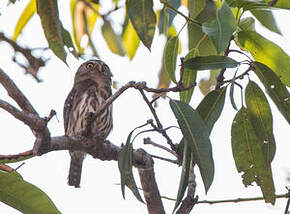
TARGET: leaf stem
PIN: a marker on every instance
(178, 12)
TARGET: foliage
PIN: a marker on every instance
(213, 28)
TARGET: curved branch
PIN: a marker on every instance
(14, 92)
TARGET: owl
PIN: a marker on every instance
(92, 86)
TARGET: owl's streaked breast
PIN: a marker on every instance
(88, 103)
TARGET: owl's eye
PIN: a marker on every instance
(89, 65)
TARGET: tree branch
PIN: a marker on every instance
(178, 12)
(149, 185)
(34, 63)
(14, 92)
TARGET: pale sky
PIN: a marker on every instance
(99, 192)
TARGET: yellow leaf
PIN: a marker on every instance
(27, 13)
(131, 40)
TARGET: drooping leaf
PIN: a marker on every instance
(248, 154)
(274, 88)
(143, 19)
(68, 41)
(170, 56)
(189, 77)
(267, 19)
(196, 134)
(125, 167)
(183, 182)
(232, 91)
(166, 16)
(52, 27)
(83, 21)
(221, 29)
(196, 38)
(247, 23)
(268, 53)
(261, 118)
(210, 62)
(131, 40)
(211, 106)
(113, 40)
(24, 196)
(27, 13)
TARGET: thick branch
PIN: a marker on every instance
(14, 92)
(32, 120)
(149, 185)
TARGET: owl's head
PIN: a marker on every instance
(93, 69)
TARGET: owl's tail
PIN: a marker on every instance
(75, 170)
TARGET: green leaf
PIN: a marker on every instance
(261, 118)
(274, 88)
(183, 182)
(170, 56)
(143, 19)
(113, 40)
(48, 13)
(248, 155)
(247, 23)
(196, 134)
(267, 19)
(221, 29)
(131, 40)
(125, 167)
(249, 4)
(268, 53)
(189, 77)
(166, 16)
(68, 41)
(196, 38)
(210, 62)
(196, 7)
(232, 91)
(24, 196)
(211, 106)
(27, 13)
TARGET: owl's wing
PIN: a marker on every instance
(68, 107)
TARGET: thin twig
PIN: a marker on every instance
(220, 78)
(165, 159)
(164, 134)
(181, 72)
(159, 125)
(149, 141)
(288, 202)
(240, 200)
(237, 200)
(34, 63)
(238, 77)
(178, 12)
(240, 52)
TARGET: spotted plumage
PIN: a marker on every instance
(92, 86)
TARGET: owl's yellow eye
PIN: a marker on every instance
(89, 65)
